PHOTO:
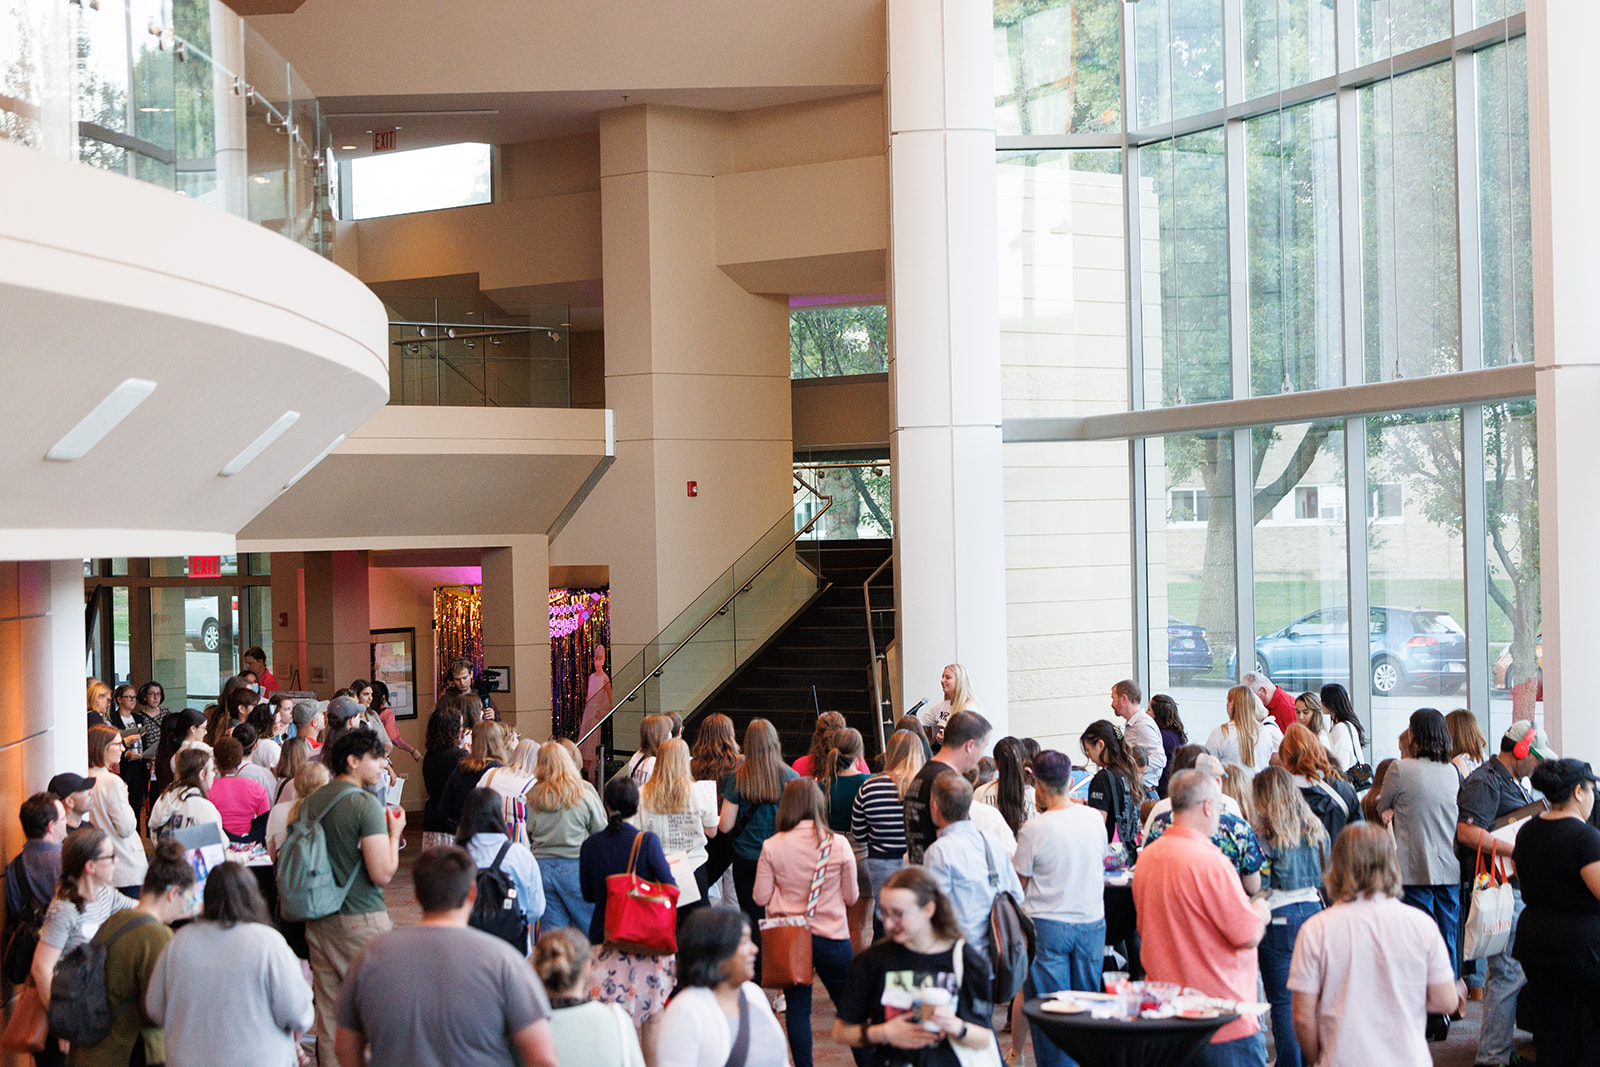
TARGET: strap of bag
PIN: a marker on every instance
(741, 1040)
(360, 863)
(633, 853)
(15, 871)
(994, 875)
(1334, 793)
(495, 866)
(816, 876)
(132, 924)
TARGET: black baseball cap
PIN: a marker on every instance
(64, 785)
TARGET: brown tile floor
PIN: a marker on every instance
(1459, 1051)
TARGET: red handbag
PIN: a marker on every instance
(641, 916)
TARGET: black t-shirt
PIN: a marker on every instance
(1488, 793)
(1110, 794)
(892, 972)
(1549, 855)
(920, 831)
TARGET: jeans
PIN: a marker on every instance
(878, 872)
(1500, 990)
(832, 960)
(1274, 953)
(1244, 1052)
(1066, 956)
(1443, 902)
(563, 896)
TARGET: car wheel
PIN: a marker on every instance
(211, 636)
(1261, 666)
(1386, 676)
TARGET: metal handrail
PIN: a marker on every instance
(719, 609)
(872, 643)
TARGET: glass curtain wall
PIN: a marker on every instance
(1318, 194)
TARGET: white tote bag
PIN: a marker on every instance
(1488, 928)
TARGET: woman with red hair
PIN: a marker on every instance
(1329, 795)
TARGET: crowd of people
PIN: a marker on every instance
(1267, 863)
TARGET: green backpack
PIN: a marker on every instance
(307, 888)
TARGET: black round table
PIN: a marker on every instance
(1125, 1043)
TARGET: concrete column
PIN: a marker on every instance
(944, 362)
(338, 621)
(516, 630)
(41, 683)
(1566, 230)
(288, 651)
(697, 371)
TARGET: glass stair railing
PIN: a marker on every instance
(729, 622)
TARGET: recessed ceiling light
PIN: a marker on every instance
(320, 457)
(261, 179)
(102, 420)
(347, 148)
(259, 445)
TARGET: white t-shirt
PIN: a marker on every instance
(989, 821)
(989, 793)
(1224, 744)
(1062, 852)
(695, 1032)
(934, 716)
(1371, 962)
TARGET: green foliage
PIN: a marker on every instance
(1063, 59)
(826, 342)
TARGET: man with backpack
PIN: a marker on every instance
(440, 994)
(1060, 858)
(362, 841)
(962, 860)
(31, 881)
(97, 998)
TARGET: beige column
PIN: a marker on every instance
(944, 365)
(697, 371)
(1566, 230)
(41, 683)
(338, 621)
(516, 630)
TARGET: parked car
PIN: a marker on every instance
(1501, 671)
(200, 623)
(1409, 647)
(1188, 651)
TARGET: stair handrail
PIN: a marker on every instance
(720, 608)
(872, 644)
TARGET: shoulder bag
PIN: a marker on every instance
(1488, 927)
(641, 916)
(989, 1055)
(1359, 773)
(29, 1026)
(786, 941)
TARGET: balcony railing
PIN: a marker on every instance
(497, 362)
(181, 95)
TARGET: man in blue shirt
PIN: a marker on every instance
(961, 859)
(37, 868)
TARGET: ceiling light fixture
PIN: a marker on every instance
(261, 179)
(259, 445)
(102, 420)
(347, 148)
(320, 457)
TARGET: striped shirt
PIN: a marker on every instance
(65, 927)
(878, 820)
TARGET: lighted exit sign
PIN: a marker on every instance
(205, 566)
(383, 140)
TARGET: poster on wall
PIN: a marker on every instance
(394, 663)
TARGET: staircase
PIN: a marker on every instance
(824, 646)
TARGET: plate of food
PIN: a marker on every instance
(1063, 1007)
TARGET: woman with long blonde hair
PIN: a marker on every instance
(1248, 738)
(683, 817)
(1297, 844)
(956, 688)
(563, 810)
(877, 816)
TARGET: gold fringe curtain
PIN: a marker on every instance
(458, 626)
(580, 619)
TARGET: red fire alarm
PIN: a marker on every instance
(694, 488)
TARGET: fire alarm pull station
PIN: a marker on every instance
(694, 488)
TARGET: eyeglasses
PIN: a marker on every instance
(107, 856)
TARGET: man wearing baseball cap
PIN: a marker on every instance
(74, 792)
(1494, 790)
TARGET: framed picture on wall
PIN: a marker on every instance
(394, 663)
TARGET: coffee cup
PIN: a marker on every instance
(933, 999)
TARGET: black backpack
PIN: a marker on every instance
(497, 910)
(1011, 938)
(80, 1005)
(22, 929)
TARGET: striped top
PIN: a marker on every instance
(878, 818)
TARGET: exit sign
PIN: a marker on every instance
(205, 566)
(383, 140)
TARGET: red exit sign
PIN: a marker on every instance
(383, 140)
(205, 566)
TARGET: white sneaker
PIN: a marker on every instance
(779, 1004)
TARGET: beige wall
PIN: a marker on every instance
(834, 413)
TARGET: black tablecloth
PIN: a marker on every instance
(1115, 1043)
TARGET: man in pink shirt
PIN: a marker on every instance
(1197, 926)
